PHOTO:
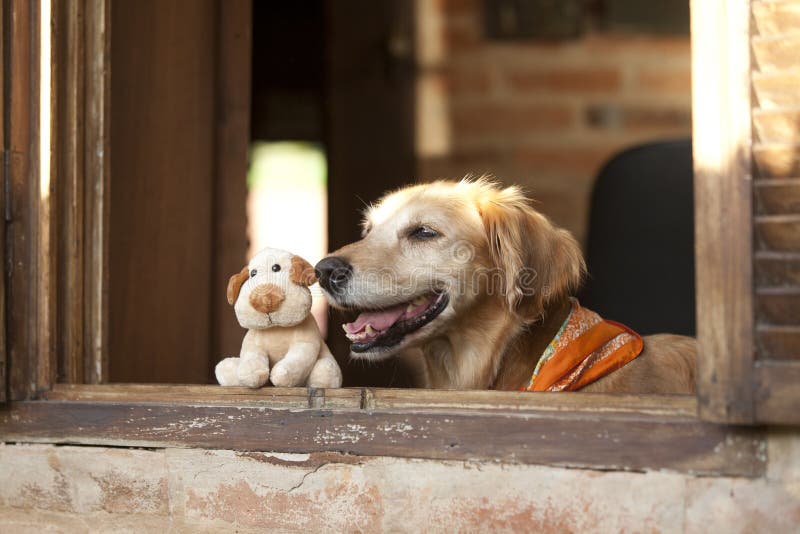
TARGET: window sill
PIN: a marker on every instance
(593, 431)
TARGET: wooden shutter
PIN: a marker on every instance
(747, 191)
(26, 288)
(775, 42)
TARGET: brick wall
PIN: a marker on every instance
(543, 115)
(94, 489)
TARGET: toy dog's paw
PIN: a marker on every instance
(253, 372)
(284, 376)
(325, 374)
(225, 372)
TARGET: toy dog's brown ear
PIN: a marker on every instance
(302, 273)
(235, 284)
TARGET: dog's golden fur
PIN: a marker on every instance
(495, 327)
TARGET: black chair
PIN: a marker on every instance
(640, 248)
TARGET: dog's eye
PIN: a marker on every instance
(423, 232)
(253, 273)
(276, 268)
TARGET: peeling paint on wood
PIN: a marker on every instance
(627, 441)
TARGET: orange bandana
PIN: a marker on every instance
(586, 348)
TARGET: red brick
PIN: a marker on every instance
(639, 118)
(601, 44)
(665, 81)
(461, 82)
(647, 118)
(513, 119)
(585, 161)
(240, 504)
(575, 80)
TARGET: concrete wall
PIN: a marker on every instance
(80, 489)
(544, 115)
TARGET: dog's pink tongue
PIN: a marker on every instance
(380, 320)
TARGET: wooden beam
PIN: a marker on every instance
(97, 72)
(81, 185)
(69, 133)
(43, 208)
(388, 399)
(21, 190)
(272, 420)
(723, 207)
(3, 341)
(428, 399)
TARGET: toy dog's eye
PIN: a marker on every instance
(253, 273)
(276, 268)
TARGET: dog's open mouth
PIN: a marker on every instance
(387, 327)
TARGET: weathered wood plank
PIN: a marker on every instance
(723, 207)
(777, 125)
(778, 232)
(286, 398)
(43, 207)
(776, 17)
(778, 342)
(778, 306)
(777, 89)
(69, 76)
(3, 341)
(777, 269)
(780, 196)
(414, 399)
(777, 52)
(394, 399)
(778, 392)
(97, 85)
(597, 441)
(777, 160)
(19, 227)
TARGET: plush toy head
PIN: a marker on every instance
(272, 290)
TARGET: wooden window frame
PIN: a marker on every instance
(577, 430)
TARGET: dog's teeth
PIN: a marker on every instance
(344, 327)
(369, 330)
(410, 308)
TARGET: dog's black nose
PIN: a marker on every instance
(333, 273)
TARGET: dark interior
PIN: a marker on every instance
(189, 94)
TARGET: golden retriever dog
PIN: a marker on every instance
(469, 284)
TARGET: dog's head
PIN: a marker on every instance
(272, 290)
(430, 253)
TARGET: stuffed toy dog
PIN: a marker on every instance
(282, 344)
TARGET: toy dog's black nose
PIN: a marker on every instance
(334, 273)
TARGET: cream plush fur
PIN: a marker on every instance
(283, 343)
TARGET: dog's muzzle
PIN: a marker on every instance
(267, 298)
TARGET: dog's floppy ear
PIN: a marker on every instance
(302, 273)
(235, 284)
(538, 262)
